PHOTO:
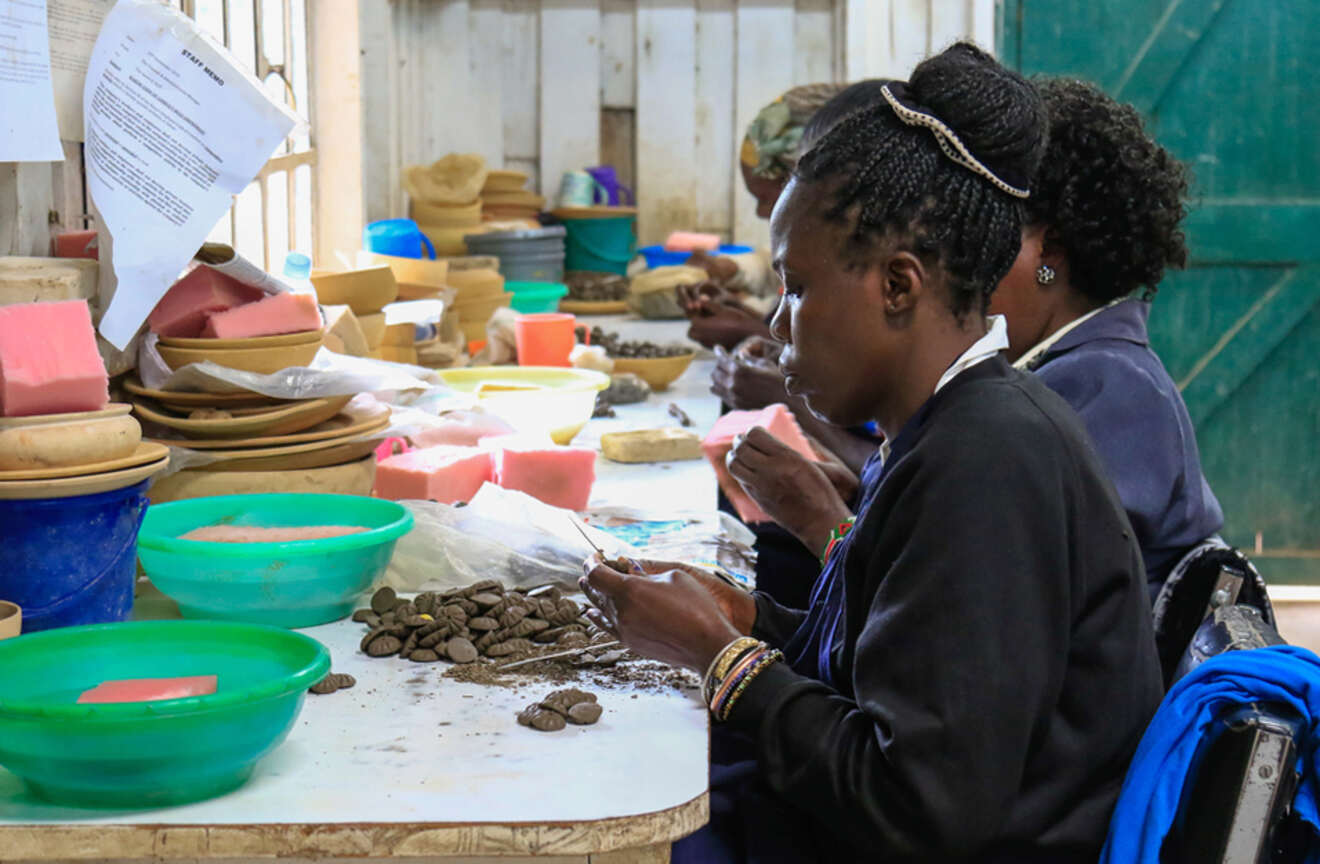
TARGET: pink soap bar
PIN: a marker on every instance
(779, 422)
(49, 363)
(77, 244)
(258, 534)
(687, 241)
(444, 474)
(150, 689)
(559, 476)
(273, 316)
(183, 310)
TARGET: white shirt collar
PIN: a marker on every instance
(994, 341)
(1038, 350)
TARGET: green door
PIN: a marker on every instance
(1230, 87)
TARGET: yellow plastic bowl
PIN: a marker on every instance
(659, 372)
(364, 291)
(551, 399)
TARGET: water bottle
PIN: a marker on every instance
(298, 273)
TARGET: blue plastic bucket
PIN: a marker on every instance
(71, 560)
(658, 256)
(600, 245)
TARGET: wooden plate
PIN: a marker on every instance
(593, 307)
(281, 420)
(146, 452)
(341, 426)
(596, 212)
(114, 409)
(87, 484)
(351, 478)
(280, 341)
(314, 454)
(187, 400)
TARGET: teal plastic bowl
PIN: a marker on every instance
(296, 584)
(532, 297)
(149, 754)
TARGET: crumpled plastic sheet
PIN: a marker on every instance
(329, 374)
(501, 534)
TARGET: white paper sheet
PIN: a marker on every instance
(28, 131)
(74, 25)
(175, 127)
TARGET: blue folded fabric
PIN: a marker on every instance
(1283, 673)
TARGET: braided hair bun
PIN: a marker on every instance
(894, 180)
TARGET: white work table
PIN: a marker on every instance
(409, 764)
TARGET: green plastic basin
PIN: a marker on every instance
(298, 584)
(149, 754)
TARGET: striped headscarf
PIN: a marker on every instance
(770, 148)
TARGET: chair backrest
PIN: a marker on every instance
(1236, 802)
(1213, 575)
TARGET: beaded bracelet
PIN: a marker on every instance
(760, 664)
(740, 668)
(836, 536)
(719, 667)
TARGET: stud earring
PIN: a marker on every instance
(1044, 274)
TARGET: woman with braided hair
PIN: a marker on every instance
(1103, 224)
(976, 665)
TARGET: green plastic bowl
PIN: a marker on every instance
(534, 297)
(149, 754)
(298, 584)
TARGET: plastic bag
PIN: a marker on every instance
(329, 374)
(711, 539)
(501, 534)
(654, 294)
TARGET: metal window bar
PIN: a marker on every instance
(290, 158)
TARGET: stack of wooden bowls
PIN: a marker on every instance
(505, 198)
(259, 354)
(445, 199)
(260, 444)
(62, 455)
(366, 291)
(480, 291)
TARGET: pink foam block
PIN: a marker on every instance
(48, 360)
(150, 689)
(280, 313)
(444, 474)
(778, 421)
(202, 291)
(559, 476)
(687, 241)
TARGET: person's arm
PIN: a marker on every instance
(775, 624)
(962, 656)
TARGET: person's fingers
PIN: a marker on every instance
(761, 445)
(595, 616)
(606, 579)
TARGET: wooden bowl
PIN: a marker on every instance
(86, 484)
(463, 263)
(481, 308)
(447, 240)
(476, 283)
(60, 440)
(300, 338)
(311, 454)
(11, 620)
(373, 328)
(262, 361)
(418, 272)
(659, 372)
(446, 216)
(504, 181)
(351, 478)
(146, 453)
(280, 420)
(365, 290)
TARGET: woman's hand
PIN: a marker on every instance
(747, 382)
(791, 489)
(675, 613)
